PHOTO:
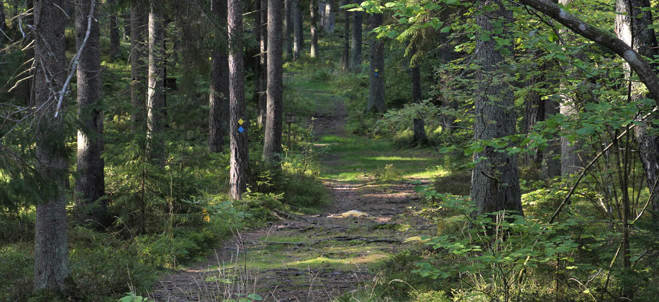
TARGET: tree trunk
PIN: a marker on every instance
(376, 100)
(90, 182)
(263, 62)
(219, 84)
(494, 180)
(273, 127)
(356, 41)
(288, 34)
(138, 24)
(420, 137)
(345, 59)
(534, 112)
(634, 26)
(313, 14)
(3, 24)
(238, 119)
(328, 16)
(155, 103)
(114, 35)
(570, 160)
(298, 33)
(51, 259)
(551, 156)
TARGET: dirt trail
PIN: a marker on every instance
(311, 257)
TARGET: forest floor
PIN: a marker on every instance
(323, 256)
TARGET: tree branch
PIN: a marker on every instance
(603, 38)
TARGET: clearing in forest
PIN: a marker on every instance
(320, 257)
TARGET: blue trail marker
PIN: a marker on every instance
(241, 129)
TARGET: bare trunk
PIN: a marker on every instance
(494, 180)
(138, 24)
(238, 120)
(345, 59)
(420, 137)
(356, 41)
(3, 23)
(273, 127)
(263, 62)
(551, 157)
(313, 14)
(376, 100)
(288, 34)
(219, 84)
(298, 33)
(534, 112)
(114, 35)
(51, 260)
(328, 22)
(570, 161)
(90, 182)
(155, 103)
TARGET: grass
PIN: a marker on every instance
(360, 158)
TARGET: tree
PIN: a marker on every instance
(138, 25)
(262, 72)
(604, 39)
(3, 23)
(298, 32)
(114, 32)
(274, 120)
(237, 123)
(420, 137)
(356, 41)
(568, 107)
(288, 34)
(634, 27)
(345, 59)
(90, 183)
(376, 100)
(51, 259)
(219, 84)
(155, 102)
(494, 179)
(313, 21)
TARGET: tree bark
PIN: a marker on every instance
(155, 103)
(138, 24)
(603, 38)
(51, 259)
(345, 59)
(328, 16)
(90, 182)
(494, 180)
(420, 137)
(219, 84)
(570, 160)
(634, 27)
(298, 33)
(356, 41)
(3, 23)
(237, 130)
(114, 34)
(273, 127)
(551, 155)
(534, 112)
(263, 62)
(313, 14)
(376, 101)
(288, 34)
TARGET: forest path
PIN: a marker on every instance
(323, 256)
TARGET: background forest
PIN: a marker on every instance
(404, 150)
